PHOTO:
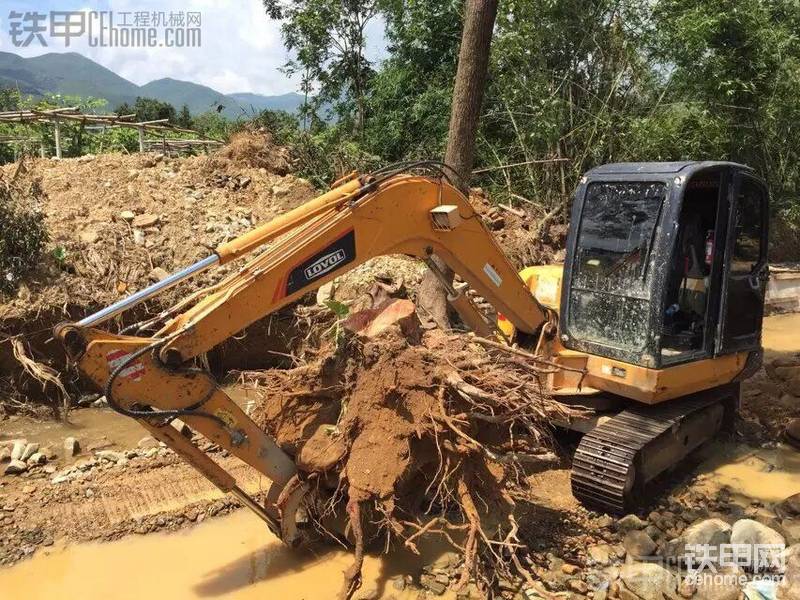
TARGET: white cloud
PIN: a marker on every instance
(241, 48)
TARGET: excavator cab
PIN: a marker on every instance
(666, 263)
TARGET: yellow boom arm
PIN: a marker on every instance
(360, 218)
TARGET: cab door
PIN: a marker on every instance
(745, 270)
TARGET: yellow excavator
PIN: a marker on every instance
(656, 314)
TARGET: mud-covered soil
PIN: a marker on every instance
(110, 499)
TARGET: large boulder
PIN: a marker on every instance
(789, 588)
(709, 532)
(789, 508)
(638, 544)
(751, 533)
(648, 581)
(725, 584)
(630, 522)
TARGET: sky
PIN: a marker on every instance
(241, 48)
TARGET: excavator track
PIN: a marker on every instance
(617, 459)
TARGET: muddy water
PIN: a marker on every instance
(766, 475)
(91, 426)
(95, 428)
(782, 333)
(230, 557)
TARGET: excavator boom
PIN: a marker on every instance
(152, 378)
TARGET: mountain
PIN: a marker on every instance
(198, 98)
(68, 73)
(72, 74)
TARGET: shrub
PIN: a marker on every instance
(23, 233)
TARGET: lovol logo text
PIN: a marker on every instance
(325, 264)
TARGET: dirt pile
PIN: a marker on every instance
(256, 149)
(118, 222)
(520, 233)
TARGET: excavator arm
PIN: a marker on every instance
(152, 379)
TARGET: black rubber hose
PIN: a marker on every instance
(150, 414)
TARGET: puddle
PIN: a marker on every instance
(782, 333)
(230, 557)
(100, 427)
(88, 425)
(768, 475)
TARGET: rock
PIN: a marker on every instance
(138, 237)
(5, 455)
(750, 532)
(145, 220)
(638, 544)
(722, 585)
(690, 515)
(654, 532)
(570, 569)
(30, 450)
(789, 508)
(15, 467)
(89, 236)
(158, 274)
(181, 428)
(127, 215)
(792, 432)
(71, 447)
(629, 522)
(111, 456)
(687, 588)
(147, 442)
(600, 554)
(604, 522)
(37, 458)
(791, 530)
(789, 588)
(49, 469)
(279, 190)
(325, 293)
(648, 581)
(100, 444)
(18, 449)
(712, 532)
(576, 585)
(431, 583)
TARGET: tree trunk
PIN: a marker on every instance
(473, 64)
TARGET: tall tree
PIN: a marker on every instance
(473, 64)
(329, 41)
(470, 82)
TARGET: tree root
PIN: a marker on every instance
(352, 576)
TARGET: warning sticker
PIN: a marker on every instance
(133, 371)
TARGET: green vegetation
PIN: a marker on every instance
(587, 82)
(592, 82)
(23, 233)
